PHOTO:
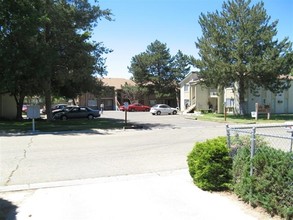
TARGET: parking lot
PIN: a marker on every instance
(150, 121)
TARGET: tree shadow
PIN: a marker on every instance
(7, 210)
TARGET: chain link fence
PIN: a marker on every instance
(261, 174)
(278, 136)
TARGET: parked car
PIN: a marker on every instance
(55, 107)
(24, 108)
(163, 109)
(67, 108)
(75, 112)
(136, 107)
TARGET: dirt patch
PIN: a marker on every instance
(257, 212)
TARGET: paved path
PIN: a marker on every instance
(157, 196)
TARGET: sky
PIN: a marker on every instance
(138, 23)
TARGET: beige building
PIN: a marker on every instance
(7, 106)
(111, 98)
(195, 96)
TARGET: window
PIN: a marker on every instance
(186, 87)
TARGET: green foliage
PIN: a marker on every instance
(270, 186)
(241, 176)
(158, 71)
(133, 93)
(210, 164)
(46, 48)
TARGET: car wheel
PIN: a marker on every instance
(63, 118)
(153, 113)
(133, 110)
(174, 112)
(90, 117)
(158, 112)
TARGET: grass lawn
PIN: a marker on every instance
(11, 126)
(246, 119)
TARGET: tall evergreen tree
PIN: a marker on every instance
(239, 46)
(159, 71)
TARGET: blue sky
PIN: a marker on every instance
(138, 23)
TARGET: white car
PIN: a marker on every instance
(163, 109)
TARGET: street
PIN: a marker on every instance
(162, 145)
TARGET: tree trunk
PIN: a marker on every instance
(241, 91)
(19, 104)
(48, 100)
(177, 92)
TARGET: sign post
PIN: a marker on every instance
(33, 112)
(125, 109)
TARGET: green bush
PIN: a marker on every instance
(271, 185)
(273, 181)
(240, 172)
(210, 164)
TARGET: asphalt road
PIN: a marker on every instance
(161, 145)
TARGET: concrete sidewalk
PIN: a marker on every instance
(162, 196)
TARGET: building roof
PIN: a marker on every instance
(117, 83)
(191, 77)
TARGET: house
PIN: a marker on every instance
(111, 98)
(114, 96)
(278, 103)
(7, 106)
(195, 96)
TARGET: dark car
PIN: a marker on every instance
(136, 107)
(76, 112)
(56, 107)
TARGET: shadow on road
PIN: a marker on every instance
(7, 210)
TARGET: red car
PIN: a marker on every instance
(136, 107)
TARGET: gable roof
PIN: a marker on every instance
(117, 83)
(191, 77)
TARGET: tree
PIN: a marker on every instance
(238, 46)
(19, 49)
(157, 70)
(72, 57)
(46, 48)
(133, 93)
(182, 65)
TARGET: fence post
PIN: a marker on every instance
(291, 141)
(252, 149)
(228, 136)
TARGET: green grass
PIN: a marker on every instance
(246, 119)
(11, 126)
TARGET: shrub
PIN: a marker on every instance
(271, 184)
(210, 164)
(273, 181)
